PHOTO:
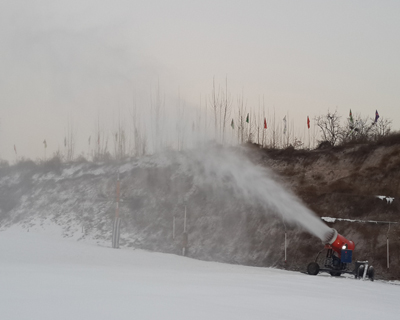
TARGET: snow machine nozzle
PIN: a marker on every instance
(338, 242)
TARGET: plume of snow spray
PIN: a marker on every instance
(258, 185)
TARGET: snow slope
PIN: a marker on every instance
(46, 277)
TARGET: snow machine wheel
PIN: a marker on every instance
(335, 274)
(371, 273)
(313, 268)
(360, 271)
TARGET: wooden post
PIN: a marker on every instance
(117, 220)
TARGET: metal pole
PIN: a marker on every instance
(185, 236)
(184, 222)
(173, 227)
(117, 208)
(284, 224)
(285, 247)
(388, 253)
(387, 243)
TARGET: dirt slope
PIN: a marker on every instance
(343, 183)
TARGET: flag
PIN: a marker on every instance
(232, 124)
(265, 123)
(376, 116)
(351, 117)
(45, 143)
(15, 149)
(308, 122)
(284, 128)
(247, 118)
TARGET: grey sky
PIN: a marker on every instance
(63, 60)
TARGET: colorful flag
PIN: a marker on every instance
(284, 128)
(265, 123)
(247, 118)
(351, 117)
(232, 124)
(45, 143)
(308, 122)
(376, 116)
(15, 149)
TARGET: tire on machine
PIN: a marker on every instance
(360, 271)
(313, 268)
(371, 273)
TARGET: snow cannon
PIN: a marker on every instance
(338, 243)
(339, 258)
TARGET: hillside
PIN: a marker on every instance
(227, 219)
(344, 182)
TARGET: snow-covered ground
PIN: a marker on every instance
(43, 276)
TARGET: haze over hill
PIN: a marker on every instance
(237, 208)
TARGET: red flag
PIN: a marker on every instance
(308, 122)
(265, 123)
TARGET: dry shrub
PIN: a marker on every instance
(25, 164)
(311, 159)
(387, 159)
(302, 179)
(289, 171)
(310, 189)
(318, 177)
(362, 152)
(331, 157)
(340, 186)
(389, 140)
(53, 165)
(372, 170)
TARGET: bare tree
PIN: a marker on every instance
(227, 109)
(358, 128)
(216, 106)
(381, 128)
(139, 144)
(329, 125)
(119, 140)
(157, 104)
(69, 141)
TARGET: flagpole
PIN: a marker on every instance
(16, 154)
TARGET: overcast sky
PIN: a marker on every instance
(70, 61)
